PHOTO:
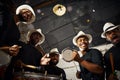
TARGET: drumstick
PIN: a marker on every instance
(21, 64)
(7, 47)
(112, 62)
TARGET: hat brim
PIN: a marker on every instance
(25, 6)
(37, 30)
(87, 35)
(103, 34)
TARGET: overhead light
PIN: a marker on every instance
(59, 9)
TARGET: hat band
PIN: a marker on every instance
(109, 28)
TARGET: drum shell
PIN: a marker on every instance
(4, 61)
(34, 76)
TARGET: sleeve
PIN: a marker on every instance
(98, 58)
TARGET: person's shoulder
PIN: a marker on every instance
(108, 51)
(95, 50)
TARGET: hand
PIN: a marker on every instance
(75, 55)
(44, 60)
(78, 74)
(14, 50)
(112, 77)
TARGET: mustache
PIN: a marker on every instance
(114, 37)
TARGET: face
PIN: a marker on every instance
(83, 42)
(35, 38)
(54, 59)
(113, 36)
(26, 15)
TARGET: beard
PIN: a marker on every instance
(53, 62)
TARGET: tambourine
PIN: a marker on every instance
(67, 54)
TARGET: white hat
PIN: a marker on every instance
(54, 50)
(36, 30)
(108, 27)
(25, 6)
(81, 33)
(59, 9)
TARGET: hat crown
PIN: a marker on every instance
(54, 50)
(107, 25)
(81, 33)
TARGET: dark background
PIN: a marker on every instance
(86, 15)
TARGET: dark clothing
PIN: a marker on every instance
(94, 56)
(9, 33)
(115, 51)
(54, 70)
(28, 55)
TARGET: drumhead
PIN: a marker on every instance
(4, 58)
(67, 54)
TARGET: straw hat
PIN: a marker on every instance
(59, 9)
(81, 33)
(36, 30)
(54, 50)
(25, 6)
(108, 27)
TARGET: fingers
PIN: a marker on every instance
(44, 60)
(14, 50)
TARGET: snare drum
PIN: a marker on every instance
(4, 60)
(34, 76)
(67, 54)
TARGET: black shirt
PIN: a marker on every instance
(115, 51)
(94, 56)
(9, 33)
(54, 70)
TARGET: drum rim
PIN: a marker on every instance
(63, 57)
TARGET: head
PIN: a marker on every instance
(35, 37)
(82, 40)
(111, 33)
(25, 14)
(54, 58)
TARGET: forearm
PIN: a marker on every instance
(94, 68)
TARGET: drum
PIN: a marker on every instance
(67, 54)
(34, 76)
(4, 60)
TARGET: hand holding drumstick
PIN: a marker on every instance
(13, 50)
